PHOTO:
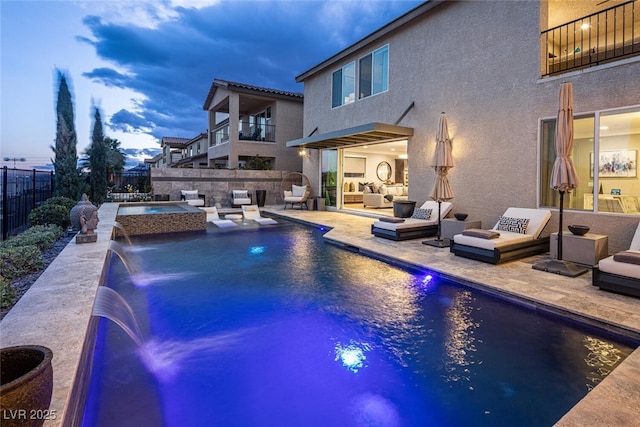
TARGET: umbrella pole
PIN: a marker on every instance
(558, 266)
(560, 226)
(439, 220)
(438, 242)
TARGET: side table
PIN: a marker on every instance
(452, 226)
(586, 250)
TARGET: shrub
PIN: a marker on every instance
(8, 295)
(19, 260)
(49, 213)
(61, 201)
(42, 236)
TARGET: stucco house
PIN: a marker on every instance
(246, 121)
(495, 68)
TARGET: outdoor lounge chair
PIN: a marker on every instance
(252, 212)
(192, 197)
(295, 189)
(620, 273)
(240, 197)
(214, 217)
(509, 245)
(411, 228)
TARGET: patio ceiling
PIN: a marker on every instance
(369, 133)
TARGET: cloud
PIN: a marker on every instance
(169, 52)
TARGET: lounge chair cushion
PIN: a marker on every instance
(298, 190)
(293, 199)
(517, 225)
(419, 213)
(414, 222)
(483, 234)
(288, 193)
(610, 265)
(391, 219)
(506, 238)
(630, 257)
(214, 217)
(190, 194)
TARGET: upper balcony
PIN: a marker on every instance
(605, 36)
(249, 133)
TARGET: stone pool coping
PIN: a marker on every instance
(56, 311)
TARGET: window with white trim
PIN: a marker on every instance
(344, 85)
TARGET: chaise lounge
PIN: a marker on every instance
(515, 235)
(252, 212)
(214, 217)
(192, 197)
(411, 228)
(620, 273)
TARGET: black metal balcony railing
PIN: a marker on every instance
(262, 133)
(609, 35)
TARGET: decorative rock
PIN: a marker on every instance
(27, 385)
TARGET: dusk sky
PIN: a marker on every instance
(148, 65)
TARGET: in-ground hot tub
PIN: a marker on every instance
(156, 218)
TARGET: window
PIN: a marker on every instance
(344, 85)
(374, 72)
(605, 155)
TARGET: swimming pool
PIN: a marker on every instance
(270, 328)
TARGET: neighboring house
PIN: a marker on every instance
(247, 120)
(495, 68)
(194, 153)
(155, 161)
(173, 150)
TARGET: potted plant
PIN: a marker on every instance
(26, 385)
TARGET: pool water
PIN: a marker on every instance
(274, 327)
(149, 209)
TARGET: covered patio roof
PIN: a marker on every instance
(369, 133)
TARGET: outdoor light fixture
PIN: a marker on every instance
(303, 153)
(14, 159)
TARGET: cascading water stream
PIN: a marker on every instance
(111, 305)
(124, 232)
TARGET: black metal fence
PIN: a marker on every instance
(608, 35)
(22, 190)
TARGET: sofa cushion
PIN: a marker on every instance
(240, 194)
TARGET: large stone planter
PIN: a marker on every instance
(26, 385)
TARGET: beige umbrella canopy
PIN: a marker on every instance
(442, 162)
(564, 177)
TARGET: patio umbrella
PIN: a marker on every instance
(563, 176)
(442, 162)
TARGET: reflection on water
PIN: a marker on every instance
(602, 357)
(460, 341)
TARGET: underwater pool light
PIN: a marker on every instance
(256, 250)
(352, 356)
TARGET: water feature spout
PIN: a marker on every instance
(118, 249)
(123, 231)
(111, 305)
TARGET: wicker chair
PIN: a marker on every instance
(295, 189)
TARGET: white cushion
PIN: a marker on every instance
(298, 190)
(506, 238)
(445, 208)
(212, 213)
(288, 193)
(635, 242)
(408, 223)
(240, 194)
(293, 199)
(609, 265)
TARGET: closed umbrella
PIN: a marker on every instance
(563, 177)
(442, 162)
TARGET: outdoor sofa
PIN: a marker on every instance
(620, 273)
(515, 235)
(411, 228)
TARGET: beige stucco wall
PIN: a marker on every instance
(479, 63)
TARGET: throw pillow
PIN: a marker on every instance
(483, 234)
(288, 193)
(298, 191)
(628, 257)
(389, 197)
(391, 220)
(419, 213)
(515, 225)
(240, 194)
(346, 187)
(367, 189)
(352, 187)
(191, 196)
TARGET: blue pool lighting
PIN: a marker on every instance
(256, 250)
(352, 356)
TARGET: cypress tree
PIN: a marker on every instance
(68, 178)
(98, 162)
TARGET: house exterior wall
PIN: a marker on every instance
(286, 116)
(480, 63)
